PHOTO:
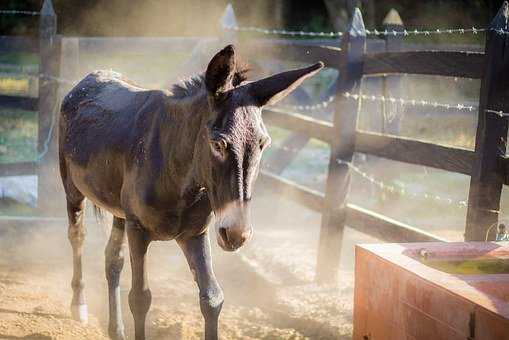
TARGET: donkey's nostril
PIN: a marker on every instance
(232, 239)
(223, 234)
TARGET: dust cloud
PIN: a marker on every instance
(269, 284)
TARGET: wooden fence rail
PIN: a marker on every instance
(18, 44)
(354, 57)
(438, 63)
(413, 151)
(17, 102)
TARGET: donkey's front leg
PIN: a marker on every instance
(197, 252)
(139, 296)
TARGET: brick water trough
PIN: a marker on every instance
(432, 291)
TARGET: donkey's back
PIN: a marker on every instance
(103, 118)
(100, 112)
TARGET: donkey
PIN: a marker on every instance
(163, 162)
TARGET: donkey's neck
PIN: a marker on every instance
(182, 135)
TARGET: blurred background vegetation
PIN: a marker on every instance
(199, 17)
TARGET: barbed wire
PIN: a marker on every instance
(420, 102)
(501, 114)
(411, 102)
(406, 32)
(313, 107)
(402, 189)
(18, 12)
(375, 32)
(281, 32)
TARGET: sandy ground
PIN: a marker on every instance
(268, 286)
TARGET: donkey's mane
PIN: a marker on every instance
(188, 87)
(195, 84)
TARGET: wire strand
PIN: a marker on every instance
(313, 107)
(398, 189)
(421, 102)
(18, 12)
(402, 190)
(410, 102)
(375, 32)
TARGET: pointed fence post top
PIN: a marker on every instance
(356, 26)
(48, 21)
(392, 18)
(228, 18)
(47, 8)
(393, 23)
(500, 20)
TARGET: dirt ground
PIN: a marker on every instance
(268, 285)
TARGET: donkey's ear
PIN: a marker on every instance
(272, 89)
(220, 72)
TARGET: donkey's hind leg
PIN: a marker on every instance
(114, 255)
(76, 235)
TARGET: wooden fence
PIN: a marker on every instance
(354, 57)
(47, 46)
(487, 165)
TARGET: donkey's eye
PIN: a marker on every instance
(219, 146)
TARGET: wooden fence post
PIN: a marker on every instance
(487, 175)
(49, 52)
(392, 83)
(202, 52)
(353, 46)
(228, 19)
(69, 63)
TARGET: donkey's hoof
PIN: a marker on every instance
(80, 313)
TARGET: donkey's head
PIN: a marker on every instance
(237, 137)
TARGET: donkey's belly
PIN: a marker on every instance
(101, 185)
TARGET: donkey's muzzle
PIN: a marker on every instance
(233, 227)
(231, 239)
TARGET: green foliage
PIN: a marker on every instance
(317, 23)
(21, 59)
(18, 135)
